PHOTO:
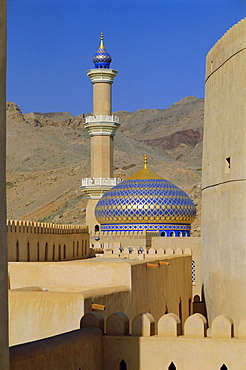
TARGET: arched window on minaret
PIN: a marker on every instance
(97, 228)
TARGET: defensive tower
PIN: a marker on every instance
(224, 177)
(101, 127)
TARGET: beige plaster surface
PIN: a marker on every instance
(47, 247)
(70, 288)
(182, 245)
(37, 315)
(102, 156)
(102, 100)
(223, 255)
(80, 349)
(91, 220)
(4, 352)
(155, 352)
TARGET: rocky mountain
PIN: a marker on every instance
(49, 153)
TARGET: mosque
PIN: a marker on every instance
(145, 201)
(139, 308)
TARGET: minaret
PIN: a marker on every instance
(101, 127)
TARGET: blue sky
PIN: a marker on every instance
(158, 47)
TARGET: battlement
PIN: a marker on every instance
(38, 241)
(169, 326)
(17, 226)
(230, 44)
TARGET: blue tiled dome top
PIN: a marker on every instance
(102, 59)
(145, 200)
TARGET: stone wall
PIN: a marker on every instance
(223, 253)
(80, 349)
(151, 345)
(49, 298)
(137, 239)
(4, 351)
(37, 241)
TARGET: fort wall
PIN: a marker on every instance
(59, 293)
(4, 351)
(151, 345)
(124, 238)
(223, 253)
(79, 349)
(37, 241)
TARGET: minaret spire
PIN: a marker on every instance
(101, 127)
(102, 41)
(102, 59)
(145, 161)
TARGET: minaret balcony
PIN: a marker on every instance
(95, 187)
(101, 125)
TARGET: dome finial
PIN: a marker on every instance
(101, 42)
(102, 59)
(145, 161)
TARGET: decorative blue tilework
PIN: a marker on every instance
(152, 204)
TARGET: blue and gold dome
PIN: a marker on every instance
(102, 59)
(145, 201)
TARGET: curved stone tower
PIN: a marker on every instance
(224, 177)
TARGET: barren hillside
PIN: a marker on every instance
(49, 153)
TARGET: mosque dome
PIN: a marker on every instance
(102, 59)
(145, 201)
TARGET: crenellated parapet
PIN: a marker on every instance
(18, 226)
(168, 326)
(141, 344)
(230, 44)
(30, 241)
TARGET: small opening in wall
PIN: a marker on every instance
(224, 367)
(228, 165)
(228, 159)
(172, 366)
(123, 365)
(46, 252)
(96, 228)
(53, 253)
(211, 66)
(28, 252)
(17, 252)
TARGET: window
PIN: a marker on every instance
(46, 252)
(227, 164)
(123, 365)
(28, 252)
(172, 366)
(17, 251)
